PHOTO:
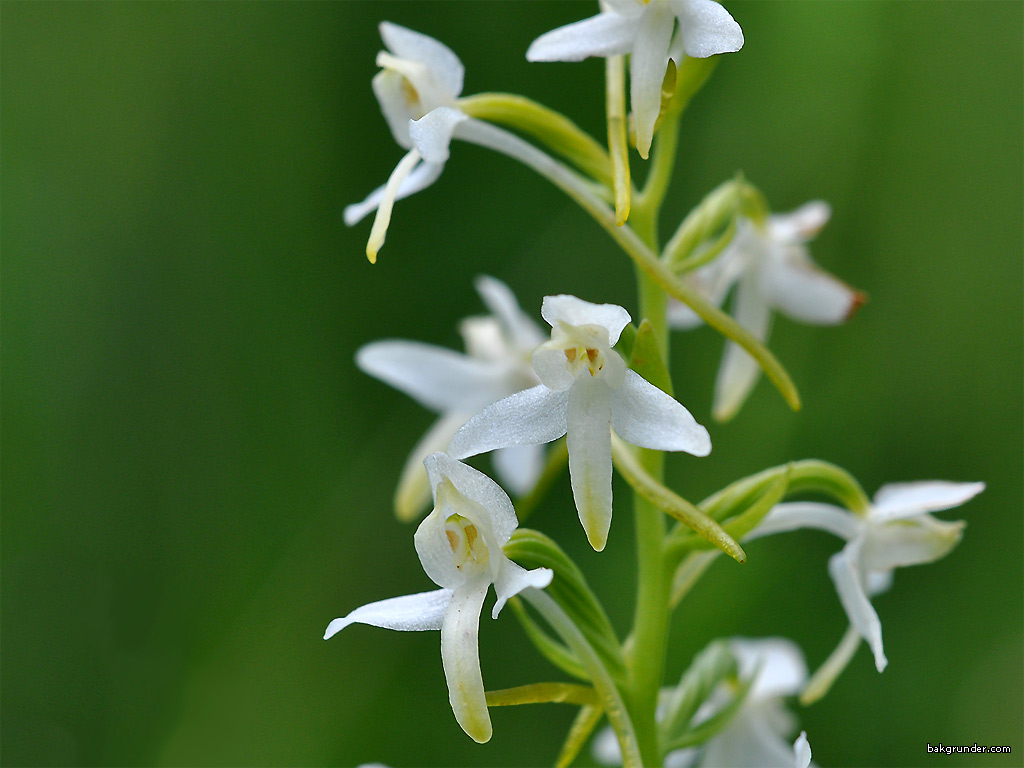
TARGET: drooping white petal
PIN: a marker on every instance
(410, 613)
(845, 572)
(438, 378)
(644, 415)
(500, 300)
(647, 65)
(800, 225)
(519, 467)
(478, 488)
(513, 579)
(460, 656)
(530, 417)
(412, 495)
(778, 662)
(442, 62)
(607, 34)
(795, 515)
(432, 134)
(590, 457)
(739, 371)
(898, 544)
(802, 751)
(573, 311)
(798, 288)
(897, 501)
(420, 177)
(707, 28)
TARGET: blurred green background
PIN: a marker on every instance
(196, 478)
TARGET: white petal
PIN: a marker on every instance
(443, 64)
(513, 579)
(779, 662)
(410, 613)
(749, 741)
(644, 415)
(421, 177)
(391, 89)
(845, 571)
(524, 332)
(413, 493)
(605, 747)
(573, 311)
(432, 545)
(533, 416)
(901, 500)
(460, 655)
(590, 457)
(739, 370)
(898, 544)
(681, 317)
(802, 751)
(432, 133)
(797, 287)
(438, 378)
(800, 225)
(552, 367)
(647, 65)
(878, 582)
(707, 28)
(478, 488)
(793, 516)
(519, 467)
(607, 34)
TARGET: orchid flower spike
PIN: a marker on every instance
(418, 77)
(585, 391)
(460, 546)
(496, 364)
(773, 269)
(644, 29)
(897, 530)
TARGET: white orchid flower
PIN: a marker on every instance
(418, 76)
(756, 737)
(585, 391)
(774, 271)
(496, 364)
(460, 546)
(644, 29)
(897, 530)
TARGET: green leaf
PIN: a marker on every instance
(708, 669)
(549, 648)
(715, 724)
(645, 359)
(625, 342)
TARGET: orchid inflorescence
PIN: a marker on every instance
(602, 382)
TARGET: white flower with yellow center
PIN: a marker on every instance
(586, 391)
(644, 30)
(460, 547)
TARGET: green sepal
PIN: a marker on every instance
(715, 212)
(690, 76)
(708, 669)
(549, 648)
(584, 724)
(645, 359)
(624, 346)
(568, 588)
(715, 724)
(544, 693)
(628, 465)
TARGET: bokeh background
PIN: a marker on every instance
(196, 478)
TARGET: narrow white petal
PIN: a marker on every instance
(513, 579)
(379, 229)
(739, 370)
(607, 34)
(478, 488)
(901, 500)
(439, 58)
(431, 135)
(524, 332)
(802, 751)
(707, 28)
(779, 662)
(420, 177)
(912, 542)
(519, 467)
(844, 567)
(793, 516)
(800, 225)
(590, 457)
(804, 292)
(413, 493)
(438, 378)
(644, 415)
(460, 655)
(573, 311)
(530, 417)
(410, 613)
(647, 65)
